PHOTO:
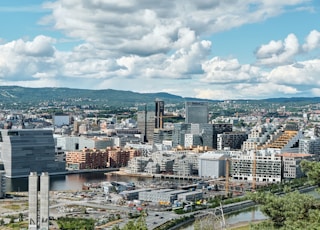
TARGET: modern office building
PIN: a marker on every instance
(232, 140)
(202, 134)
(146, 124)
(28, 150)
(39, 216)
(159, 113)
(196, 112)
(160, 135)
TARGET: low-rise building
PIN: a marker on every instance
(190, 196)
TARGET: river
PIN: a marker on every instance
(72, 181)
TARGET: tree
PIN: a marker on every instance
(312, 170)
(290, 211)
(20, 217)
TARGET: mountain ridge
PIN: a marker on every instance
(109, 97)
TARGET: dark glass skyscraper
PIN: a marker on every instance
(196, 112)
(159, 112)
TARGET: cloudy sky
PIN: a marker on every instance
(214, 49)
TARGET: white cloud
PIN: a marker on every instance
(141, 46)
(245, 91)
(304, 73)
(21, 59)
(278, 52)
(219, 70)
(144, 28)
(312, 41)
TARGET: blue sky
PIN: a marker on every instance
(231, 49)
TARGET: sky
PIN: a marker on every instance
(210, 49)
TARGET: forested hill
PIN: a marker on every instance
(35, 96)
(15, 96)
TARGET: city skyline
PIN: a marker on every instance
(204, 49)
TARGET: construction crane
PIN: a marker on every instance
(254, 171)
(227, 176)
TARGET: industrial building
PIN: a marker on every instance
(162, 196)
(190, 196)
(29, 150)
(133, 194)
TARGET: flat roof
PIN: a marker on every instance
(294, 155)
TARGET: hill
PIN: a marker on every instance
(12, 96)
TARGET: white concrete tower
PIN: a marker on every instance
(33, 201)
(44, 201)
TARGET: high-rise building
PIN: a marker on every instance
(33, 201)
(35, 221)
(28, 150)
(146, 124)
(204, 134)
(196, 112)
(44, 201)
(2, 184)
(159, 112)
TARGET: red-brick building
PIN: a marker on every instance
(87, 159)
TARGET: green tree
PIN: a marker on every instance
(312, 170)
(20, 217)
(290, 211)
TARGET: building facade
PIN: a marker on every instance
(146, 124)
(212, 165)
(196, 112)
(159, 113)
(232, 140)
(29, 150)
(87, 159)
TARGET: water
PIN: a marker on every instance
(72, 181)
(245, 215)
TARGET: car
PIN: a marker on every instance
(156, 214)
(161, 217)
(154, 222)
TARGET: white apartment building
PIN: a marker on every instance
(267, 166)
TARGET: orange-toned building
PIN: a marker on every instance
(87, 159)
(118, 157)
